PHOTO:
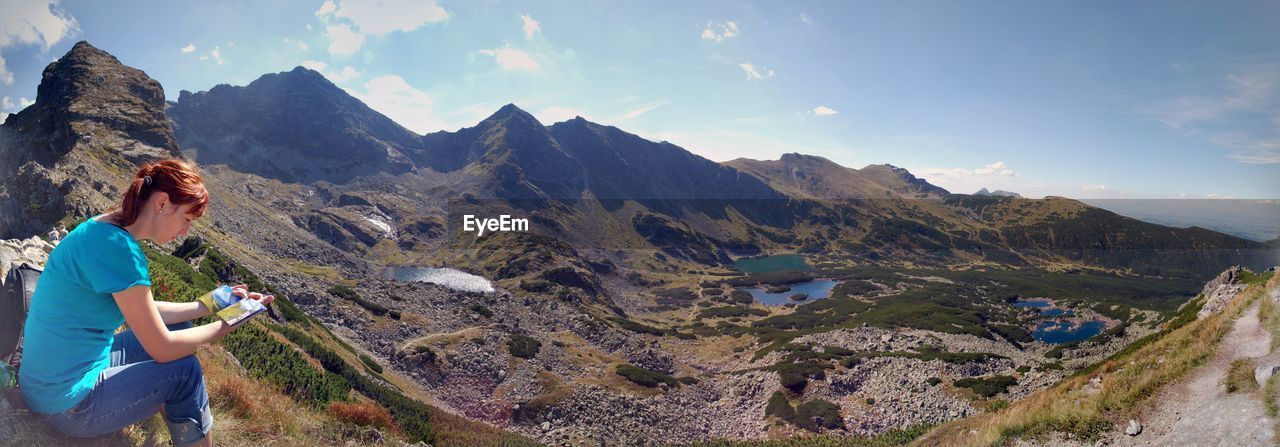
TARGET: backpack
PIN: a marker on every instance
(15, 301)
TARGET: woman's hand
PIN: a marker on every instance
(243, 292)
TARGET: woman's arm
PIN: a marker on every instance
(172, 312)
(143, 316)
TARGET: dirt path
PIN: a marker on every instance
(1198, 411)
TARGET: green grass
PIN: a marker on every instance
(286, 365)
(523, 346)
(1240, 377)
(645, 377)
(731, 311)
(779, 407)
(987, 387)
(818, 414)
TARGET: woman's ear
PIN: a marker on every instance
(161, 200)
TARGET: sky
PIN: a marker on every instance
(1083, 99)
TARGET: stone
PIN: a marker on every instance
(1134, 428)
(546, 426)
(1264, 372)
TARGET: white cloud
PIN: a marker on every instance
(326, 8)
(378, 17)
(347, 73)
(299, 43)
(41, 23)
(805, 18)
(342, 40)
(824, 111)
(552, 115)
(998, 168)
(1218, 196)
(3, 116)
(995, 176)
(753, 73)
(1243, 97)
(1097, 188)
(641, 110)
(24, 102)
(6, 103)
(216, 55)
(727, 30)
(392, 96)
(191, 47)
(530, 26)
(512, 59)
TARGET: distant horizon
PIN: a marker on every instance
(1040, 100)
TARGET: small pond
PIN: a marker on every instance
(816, 289)
(450, 278)
(1065, 331)
(1044, 306)
(772, 264)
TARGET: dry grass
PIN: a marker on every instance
(1127, 381)
(1240, 377)
(362, 413)
(327, 272)
(245, 412)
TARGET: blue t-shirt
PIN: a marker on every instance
(73, 316)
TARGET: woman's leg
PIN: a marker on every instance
(133, 389)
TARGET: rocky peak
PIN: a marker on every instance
(294, 126)
(997, 193)
(89, 89)
(512, 117)
(909, 183)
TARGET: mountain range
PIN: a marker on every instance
(297, 128)
(317, 192)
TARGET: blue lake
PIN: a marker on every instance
(451, 278)
(772, 264)
(1064, 332)
(1043, 305)
(816, 289)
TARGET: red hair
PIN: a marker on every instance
(175, 177)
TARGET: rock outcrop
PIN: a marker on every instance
(69, 154)
(1220, 291)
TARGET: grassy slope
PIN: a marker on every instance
(256, 405)
(1127, 380)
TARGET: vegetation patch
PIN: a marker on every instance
(523, 346)
(1240, 377)
(818, 414)
(645, 377)
(779, 407)
(351, 295)
(987, 387)
(731, 311)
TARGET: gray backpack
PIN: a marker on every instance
(15, 301)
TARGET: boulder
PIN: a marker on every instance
(1264, 372)
(1134, 428)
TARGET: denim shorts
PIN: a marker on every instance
(134, 387)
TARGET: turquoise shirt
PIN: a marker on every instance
(73, 316)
